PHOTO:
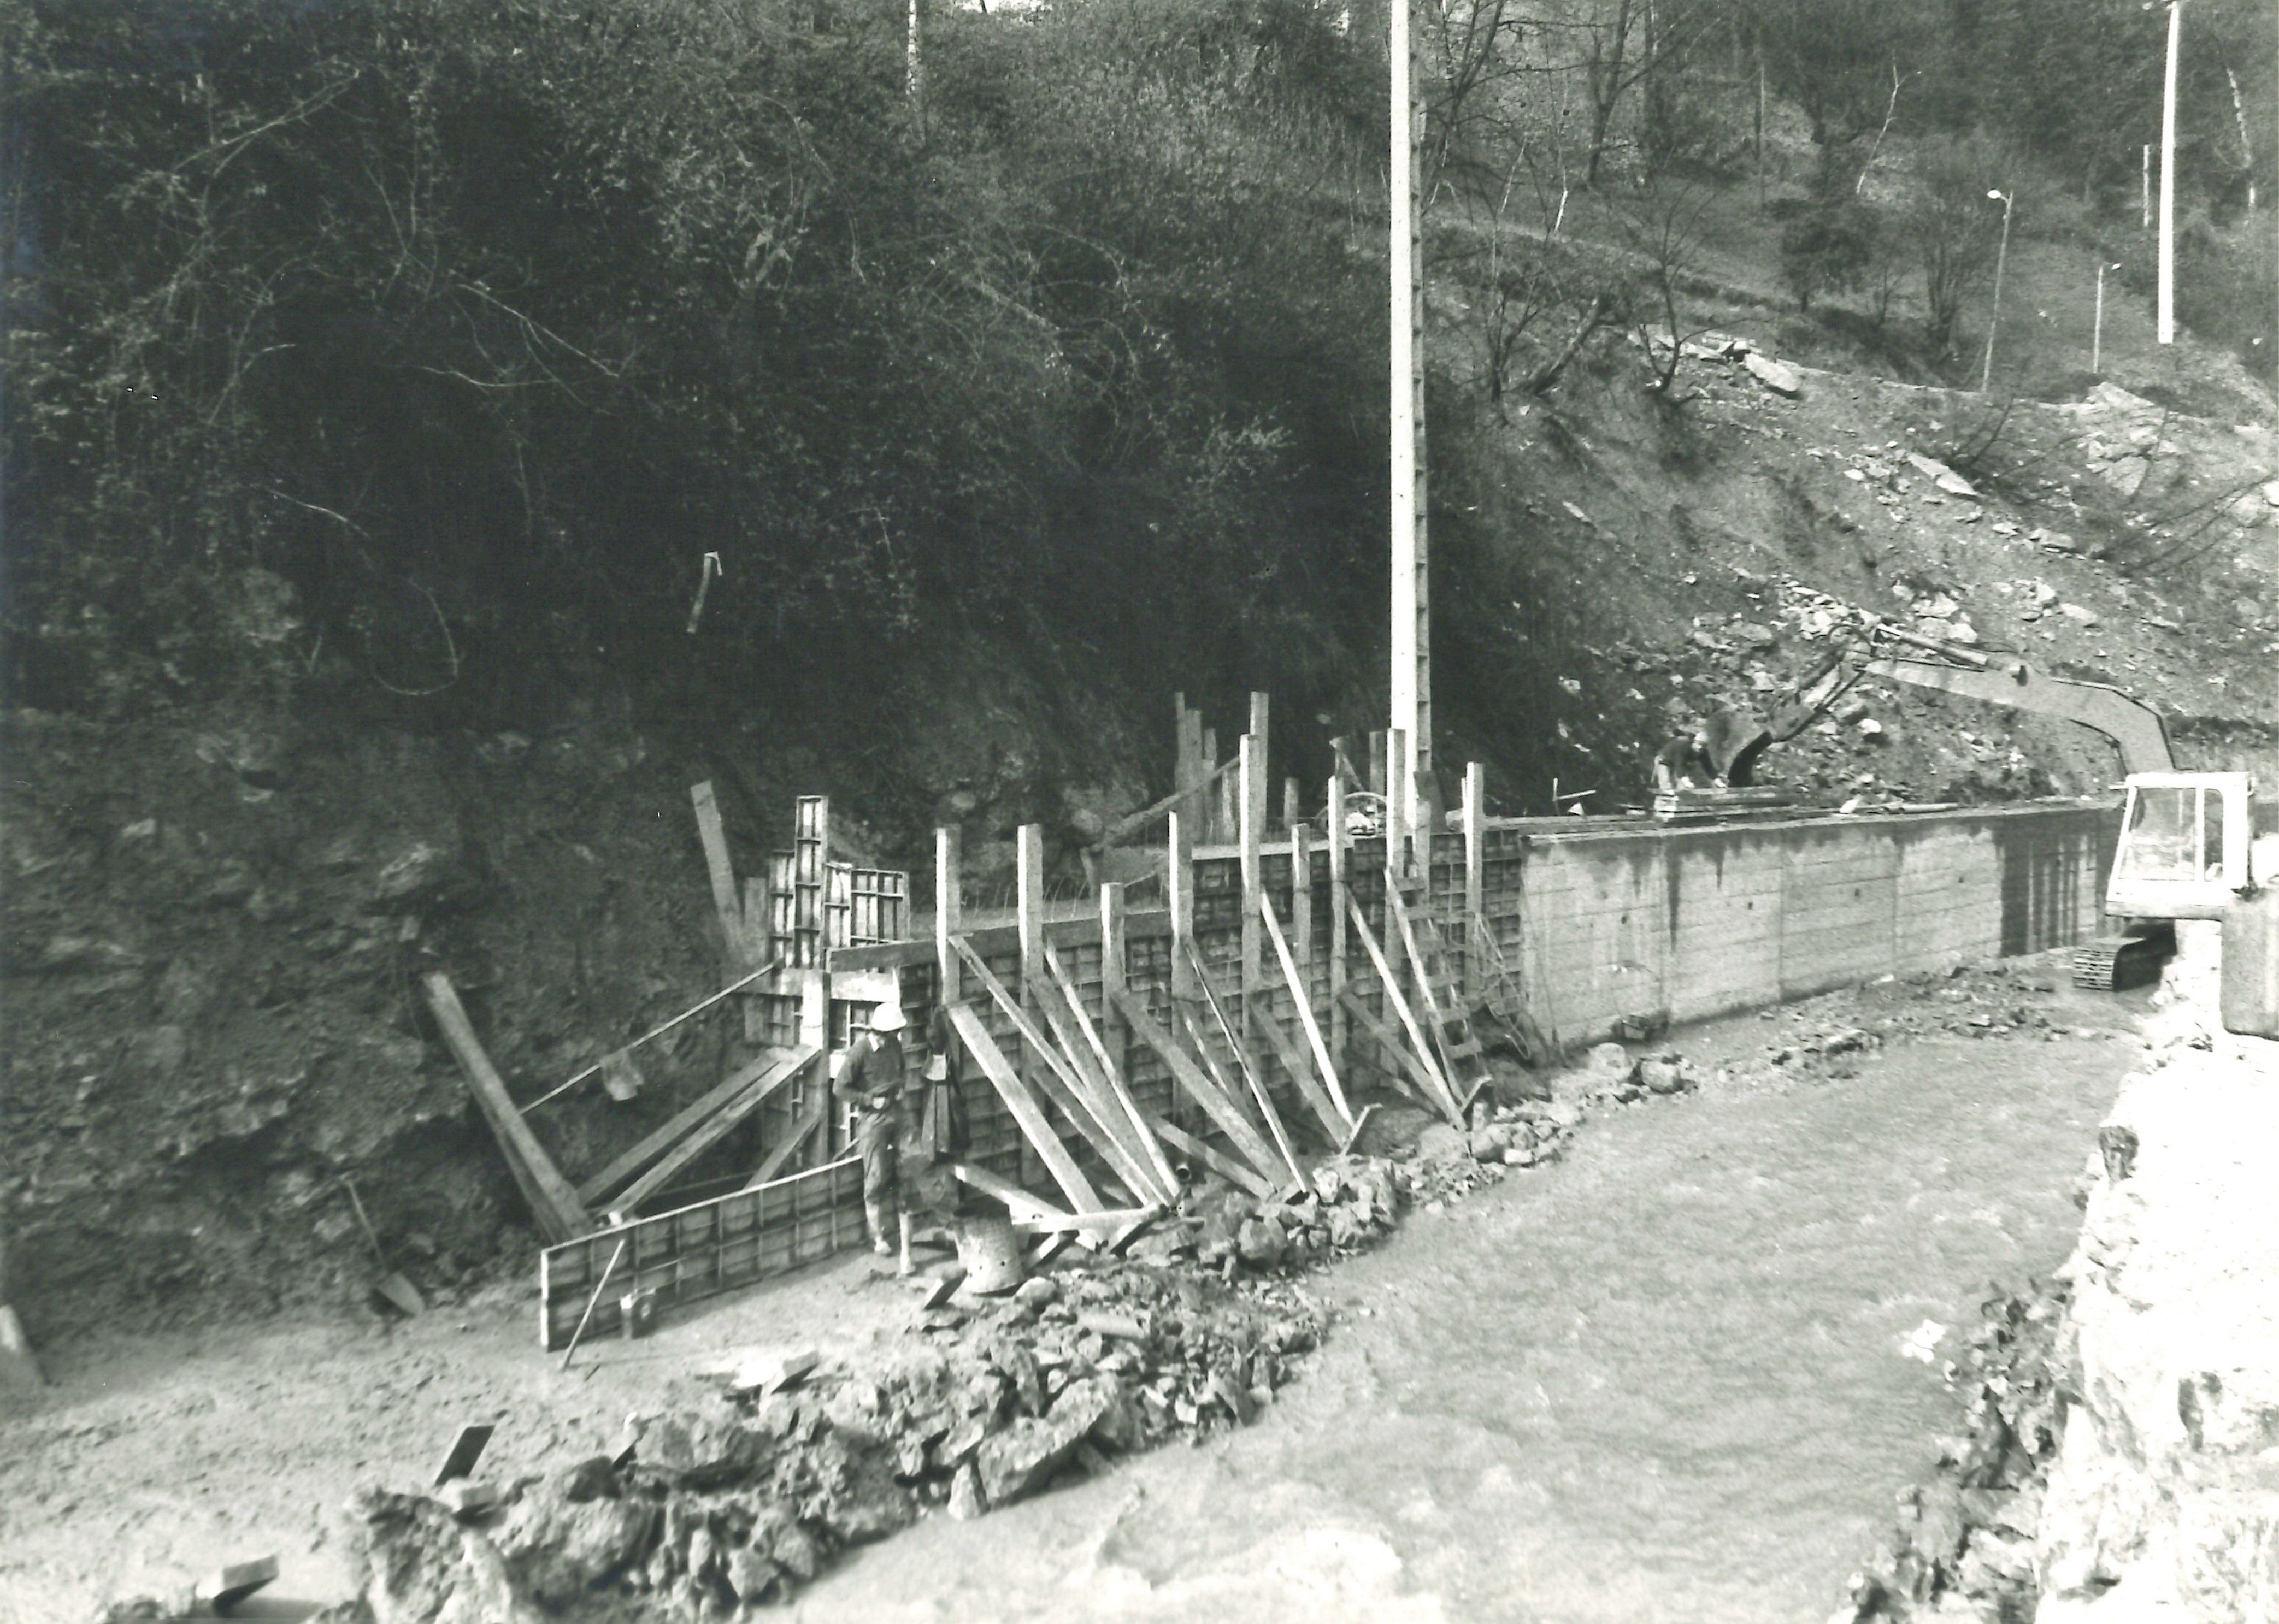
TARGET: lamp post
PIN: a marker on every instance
(2096, 325)
(2001, 256)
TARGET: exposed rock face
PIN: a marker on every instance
(2164, 1498)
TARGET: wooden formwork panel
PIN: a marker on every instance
(702, 1249)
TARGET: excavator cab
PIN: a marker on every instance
(2185, 842)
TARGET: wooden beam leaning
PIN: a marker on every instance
(1058, 1079)
(718, 1127)
(1443, 1095)
(1206, 1093)
(1017, 1201)
(1023, 1104)
(1300, 1073)
(1407, 1073)
(1250, 1075)
(556, 1206)
(1124, 829)
(726, 905)
(1299, 996)
(1167, 1182)
(802, 1131)
(1099, 1097)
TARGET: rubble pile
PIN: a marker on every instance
(742, 1498)
(1963, 1546)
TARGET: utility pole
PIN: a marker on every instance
(2001, 258)
(1412, 605)
(2097, 327)
(2166, 320)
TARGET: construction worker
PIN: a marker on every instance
(869, 1084)
(1684, 764)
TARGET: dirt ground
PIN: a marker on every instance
(155, 1457)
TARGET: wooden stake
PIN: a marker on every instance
(1475, 841)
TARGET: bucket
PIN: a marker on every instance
(991, 1252)
(2250, 994)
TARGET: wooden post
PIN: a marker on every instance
(553, 1202)
(1253, 796)
(1301, 898)
(1338, 903)
(948, 906)
(1474, 875)
(1029, 880)
(1180, 887)
(1259, 709)
(1289, 803)
(1377, 762)
(1230, 807)
(1186, 747)
(758, 908)
(1206, 828)
(1114, 977)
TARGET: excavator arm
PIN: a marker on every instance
(1899, 655)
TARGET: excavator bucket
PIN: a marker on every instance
(1736, 738)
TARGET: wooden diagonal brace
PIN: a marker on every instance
(1023, 1104)
(1249, 1073)
(1302, 996)
(1444, 1096)
(556, 1206)
(1069, 1091)
(1112, 1073)
(1206, 1093)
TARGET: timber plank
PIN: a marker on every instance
(802, 1131)
(1444, 1096)
(1300, 996)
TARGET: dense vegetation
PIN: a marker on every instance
(428, 347)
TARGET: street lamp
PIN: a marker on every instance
(2097, 327)
(1986, 372)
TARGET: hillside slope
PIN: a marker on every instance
(217, 915)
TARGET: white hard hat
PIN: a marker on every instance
(886, 1018)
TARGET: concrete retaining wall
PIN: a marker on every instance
(1693, 922)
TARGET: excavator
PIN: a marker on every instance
(2190, 841)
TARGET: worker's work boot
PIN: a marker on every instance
(874, 1219)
